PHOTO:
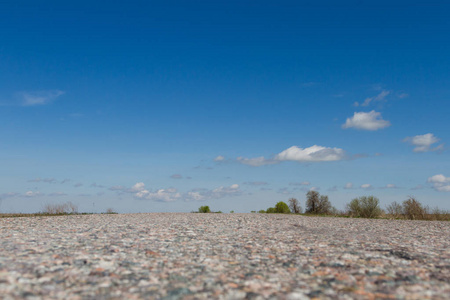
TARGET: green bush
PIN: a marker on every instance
(282, 208)
(413, 209)
(364, 207)
(317, 204)
(262, 211)
(204, 209)
(271, 210)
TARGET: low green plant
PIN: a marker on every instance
(271, 210)
(364, 207)
(204, 209)
(282, 208)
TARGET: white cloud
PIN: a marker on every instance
(33, 194)
(219, 158)
(348, 186)
(366, 186)
(256, 183)
(256, 162)
(366, 121)
(391, 186)
(46, 180)
(423, 142)
(379, 97)
(312, 154)
(39, 98)
(162, 195)
(440, 183)
(140, 186)
(217, 193)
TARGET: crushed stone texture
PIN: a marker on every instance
(222, 256)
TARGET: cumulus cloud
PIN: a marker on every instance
(39, 97)
(201, 194)
(366, 121)
(161, 195)
(380, 97)
(312, 154)
(423, 143)
(366, 186)
(32, 194)
(348, 186)
(440, 183)
(219, 158)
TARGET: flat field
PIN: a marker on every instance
(222, 256)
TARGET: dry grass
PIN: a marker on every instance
(59, 209)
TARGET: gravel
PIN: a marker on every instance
(222, 256)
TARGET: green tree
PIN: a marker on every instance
(271, 210)
(365, 207)
(282, 208)
(204, 209)
(317, 204)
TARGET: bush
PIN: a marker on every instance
(317, 204)
(271, 210)
(282, 208)
(110, 211)
(294, 205)
(57, 209)
(365, 207)
(262, 211)
(395, 210)
(413, 209)
(204, 209)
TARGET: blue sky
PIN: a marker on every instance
(147, 106)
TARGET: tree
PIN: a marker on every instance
(204, 209)
(282, 208)
(413, 209)
(317, 204)
(365, 207)
(271, 210)
(294, 205)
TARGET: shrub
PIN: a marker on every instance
(282, 208)
(110, 211)
(294, 205)
(204, 209)
(57, 209)
(231, 211)
(317, 204)
(271, 210)
(365, 207)
(413, 209)
(262, 211)
(395, 210)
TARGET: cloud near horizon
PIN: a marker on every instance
(422, 143)
(440, 183)
(311, 154)
(366, 121)
(39, 97)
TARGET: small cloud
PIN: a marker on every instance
(366, 186)
(201, 194)
(176, 176)
(332, 189)
(366, 121)
(402, 95)
(77, 185)
(32, 194)
(440, 183)
(45, 180)
(117, 188)
(300, 183)
(284, 191)
(219, 158)
(422, 143)
(57, 194)
(380, 97)
(256, 162)
(256, 183)
(312, 154)
(348, 186)
(391, 186)
(39, 98)
(95, 185)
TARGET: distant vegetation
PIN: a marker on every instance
(362, 207)
(204, 209)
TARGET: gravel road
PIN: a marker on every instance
(222, 256)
